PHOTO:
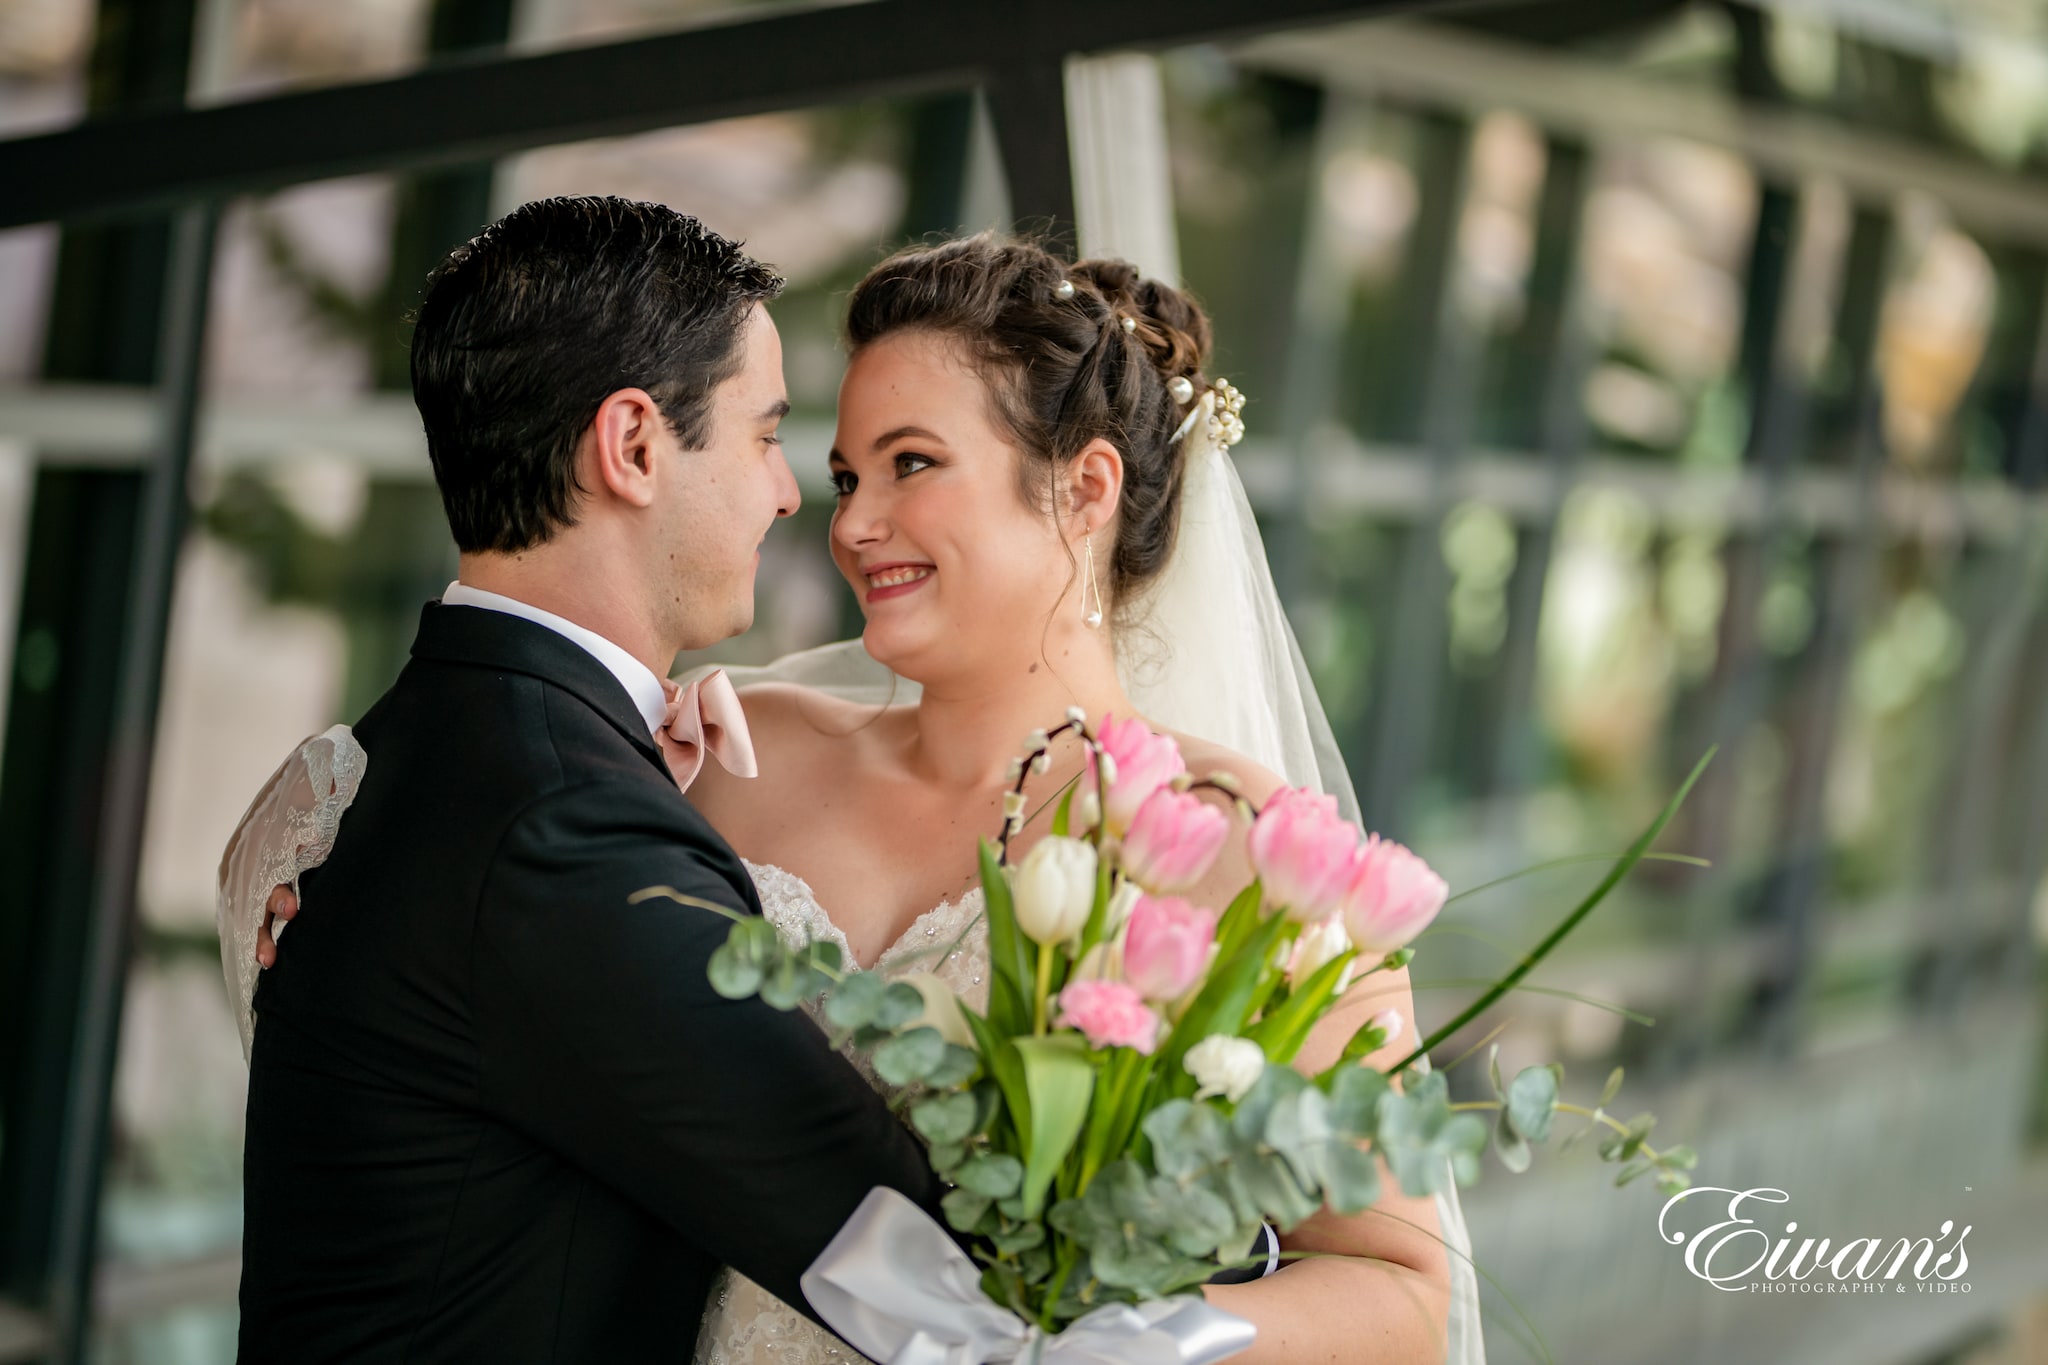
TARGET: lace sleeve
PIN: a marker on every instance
(288, 828)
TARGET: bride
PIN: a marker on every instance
(1036, 511)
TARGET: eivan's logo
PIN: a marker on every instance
(1719, 1252)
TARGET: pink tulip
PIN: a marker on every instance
(1140, 764)
(1392, 897)
(1173, 840)
(1110, 1013)
(1304, 853)
(1166, 946)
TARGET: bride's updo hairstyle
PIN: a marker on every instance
(1070, 353)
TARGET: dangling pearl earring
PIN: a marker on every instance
(1091, 616)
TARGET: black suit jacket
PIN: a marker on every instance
(495, 1112)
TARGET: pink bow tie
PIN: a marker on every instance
(706, 715)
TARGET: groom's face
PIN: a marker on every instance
(729, 493)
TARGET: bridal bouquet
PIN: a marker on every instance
(1123, 1119)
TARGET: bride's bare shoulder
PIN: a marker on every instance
(1255, 782)
(804, 716)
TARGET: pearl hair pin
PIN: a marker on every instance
(1181, 388)
(1063, 290)
(1130, 323)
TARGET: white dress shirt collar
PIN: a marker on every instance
(637, 678)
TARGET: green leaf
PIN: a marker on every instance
(1240, 917)
(1509, 1145)
(1064, 810)
(1286, 1026)
(992, 1173)
(1356, 1094)
(1223, 1003)
(825, 954)
(1059, 1079)
(1010, 953)
(789, 983)
(944, 1118)
(1188, 1136)
(1023, 1237)
(1532, 1102)
(1351, 1178)
(1679, 1158)
(1610, 1090)
(1006, 1068)
(1624, 1145)
(732, 974)
(956, 1068)
(855, 1000)
(900, 1003)
(964, 1208)
(945, 1156)
(1419, 1134)
(910, 1057)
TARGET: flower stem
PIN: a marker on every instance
(1599, 1115)
(1044, 987)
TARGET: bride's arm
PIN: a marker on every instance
(1384, 1296)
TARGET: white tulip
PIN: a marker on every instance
(1318, 944)
(1389, 1023)
(941, 1009)
(1226, 1066)
(1054, 888)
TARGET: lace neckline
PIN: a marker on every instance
(922, 934)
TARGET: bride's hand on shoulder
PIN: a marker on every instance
(282, 904)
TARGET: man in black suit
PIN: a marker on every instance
(496, 1113)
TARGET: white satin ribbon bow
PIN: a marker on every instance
(899, 1290)
(705, 717)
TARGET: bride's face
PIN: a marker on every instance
(932, 529)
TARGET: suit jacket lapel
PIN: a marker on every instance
(494, 639)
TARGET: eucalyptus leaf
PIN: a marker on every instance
(1356, 1094)
(1509, 1145)
(1351, 1178)
(1610, 1090)
(956, 1067)
(1022, 1237)
(901, 1002)
(944, 1156)
(1187, 1136)
(944, 1118)
(1532, 1101)
(732, 975)
(910, 1057)
(1419, 1134)
(964, 1208)
(994, 1174)
(854, 1001)
(789, 983)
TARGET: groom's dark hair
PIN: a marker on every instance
(528, 327)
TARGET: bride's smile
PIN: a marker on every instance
(894, 579)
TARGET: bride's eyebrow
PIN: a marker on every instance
(889, 438)
(898, 433)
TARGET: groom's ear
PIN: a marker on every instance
(1095, 483)
(619, 448)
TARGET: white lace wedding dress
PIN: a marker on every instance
(744, 1324)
